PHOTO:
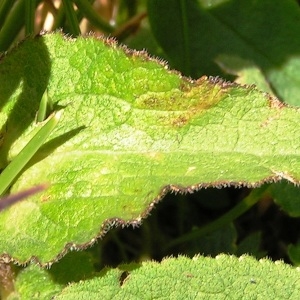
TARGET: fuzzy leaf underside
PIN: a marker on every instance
(179, 278)
(130, 131)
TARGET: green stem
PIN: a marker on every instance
(45, 106)
(5, 7)
(254, 196)
(12, 25)
(29, 16)
(59, 18)
(15, 167)
(185, 32)
(87, 9)
(71, 17)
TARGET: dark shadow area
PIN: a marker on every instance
(49, 147)
(76, 266)
(27, 67)
(174, 216)
(256, 232)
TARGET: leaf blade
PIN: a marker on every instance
(131, 131)
(229, 276)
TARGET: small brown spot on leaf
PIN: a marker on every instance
(275, 103)
(180, 121)
(189, 275)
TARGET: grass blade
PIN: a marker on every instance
(19, 162)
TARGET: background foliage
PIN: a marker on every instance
(197, 38)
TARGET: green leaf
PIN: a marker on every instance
(194, 34)
(197, 278)
(75, 266)
(35, 283)
(246, 72)
(294, 253)
(130, 131)
(251, 245)
(19, 162)
(218, 241)
(287, 196)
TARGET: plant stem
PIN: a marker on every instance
(71, 17)
(15, 167)
(186, 42)
(5, 7)
(12, 199)
(59, 18)
(29, 16)
(12, 25)
(87, 9)
(254, 196)
(45, 106)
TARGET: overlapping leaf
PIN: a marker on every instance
(179, 278)
(197, 34)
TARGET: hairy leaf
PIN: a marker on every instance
(287, 196)
(130, 131)
(197, 278)
(41, 286)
